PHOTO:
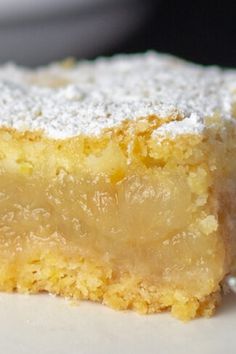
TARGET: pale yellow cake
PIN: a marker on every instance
(118, 182)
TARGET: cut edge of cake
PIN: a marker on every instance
(203, 148)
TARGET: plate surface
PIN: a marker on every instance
(15, 9)
(37, 34)
(48, 325)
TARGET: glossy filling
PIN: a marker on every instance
(159, 225)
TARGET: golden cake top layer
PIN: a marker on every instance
(69, 99)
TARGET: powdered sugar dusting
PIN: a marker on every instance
(102, 94)
(190, 125)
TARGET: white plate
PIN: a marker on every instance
(37, 32)
(17, 9)
(46, 325)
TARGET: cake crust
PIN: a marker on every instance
(65, 100)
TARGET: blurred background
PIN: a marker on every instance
(34, 32)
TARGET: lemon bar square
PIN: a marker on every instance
(118, 182)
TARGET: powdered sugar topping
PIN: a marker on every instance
(89, 97)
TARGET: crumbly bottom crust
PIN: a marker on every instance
(79, 279)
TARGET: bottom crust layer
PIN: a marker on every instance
(80, 279)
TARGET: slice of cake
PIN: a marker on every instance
(118, 182)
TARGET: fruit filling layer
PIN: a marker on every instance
(158, 225)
